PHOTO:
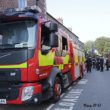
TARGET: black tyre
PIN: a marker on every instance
(57, 89)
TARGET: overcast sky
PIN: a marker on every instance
(89, 19)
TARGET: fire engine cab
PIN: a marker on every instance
(37, 59)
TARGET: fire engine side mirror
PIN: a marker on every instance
(53, 27)
(53, 40)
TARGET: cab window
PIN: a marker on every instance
(64, 46)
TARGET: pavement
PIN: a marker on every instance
(90, 93)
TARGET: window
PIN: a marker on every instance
(45, 38)
(59, 48)
(18, 34)
(64, 44)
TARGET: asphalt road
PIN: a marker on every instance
(90, 93)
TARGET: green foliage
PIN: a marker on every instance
(101, 44)
(88, 45)
(107, 47)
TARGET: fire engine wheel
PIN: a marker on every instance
(57, 89)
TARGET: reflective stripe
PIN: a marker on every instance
(46, 60)
(23, 65)
(66, 59)
(60, 66)
(83, 59)
(76, 58)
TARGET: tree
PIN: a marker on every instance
(107, 47)
(102, 44)
(89, 45)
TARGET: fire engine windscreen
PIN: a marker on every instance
(18, 34)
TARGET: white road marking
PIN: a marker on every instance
(69, 88)
(83, 81)
(77, 90)
(70, 108)
(73, 92)
(67, 104)
(70, 100)
(62, 95)
(49, 108)
(72, 97)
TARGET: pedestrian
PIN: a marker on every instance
(98, 63)
(88, 64)
(101, 64)
(94, 62)
(107, 64)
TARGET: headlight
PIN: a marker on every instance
(27, 93)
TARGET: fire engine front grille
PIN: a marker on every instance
(10, 75)
(9, 92)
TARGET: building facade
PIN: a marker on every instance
(14, 4)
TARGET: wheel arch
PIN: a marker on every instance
(55, 72)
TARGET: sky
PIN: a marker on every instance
(89, 19)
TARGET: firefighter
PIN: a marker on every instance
(101, 64)
(94, 62)
(107, 64)
(88, 64)
(98, 63)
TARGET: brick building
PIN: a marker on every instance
(14, 4)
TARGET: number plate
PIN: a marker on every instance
(2, 101)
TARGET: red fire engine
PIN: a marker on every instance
(37, 60)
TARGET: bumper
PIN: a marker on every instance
(36, 97)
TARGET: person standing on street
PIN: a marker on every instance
(98, 63)
(101, 64)
(107, 64)
(94, 62)
(88, 64)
